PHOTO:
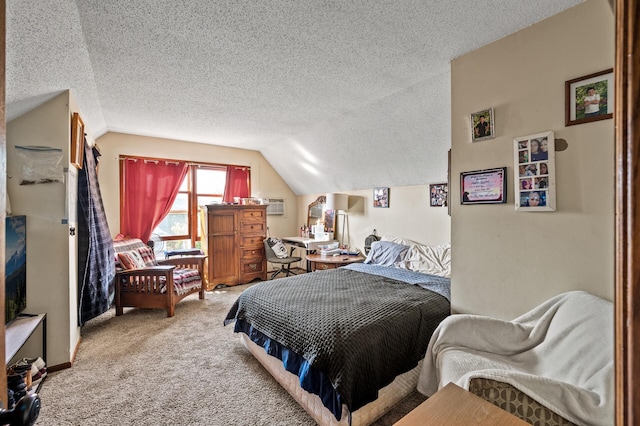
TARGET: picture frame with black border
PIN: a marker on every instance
(438, 195)
(488, 186)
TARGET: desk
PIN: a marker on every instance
(320, 262)
(453, 405)
(309, 244)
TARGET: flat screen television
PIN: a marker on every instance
(15, 267)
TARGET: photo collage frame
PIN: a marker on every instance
(534, 168)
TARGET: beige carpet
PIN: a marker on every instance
(143, 368)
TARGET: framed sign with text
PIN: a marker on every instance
(487, 186)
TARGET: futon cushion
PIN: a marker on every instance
(133, 244)
(186, 279)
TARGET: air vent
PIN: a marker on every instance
(275, 206)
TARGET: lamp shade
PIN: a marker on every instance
(337, 202)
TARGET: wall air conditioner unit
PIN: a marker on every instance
(275, 206)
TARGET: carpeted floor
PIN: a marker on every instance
(143, 368)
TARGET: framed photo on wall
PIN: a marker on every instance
(77, 140)
(487, 186)
(589, 98)
(380, 197)
(534, 172)
(482, 127)
(438, 195)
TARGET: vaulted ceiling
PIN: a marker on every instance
(336, 94)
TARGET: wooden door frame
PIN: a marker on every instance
(627, 264)
(627, 210)
(3, 195)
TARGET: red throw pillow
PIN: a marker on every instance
(131, 260)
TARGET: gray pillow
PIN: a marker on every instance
(386, 253)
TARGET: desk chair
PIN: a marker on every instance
(285, 262)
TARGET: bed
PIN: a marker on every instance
(348, 343)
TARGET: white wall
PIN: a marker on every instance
(51, 250)
(409, 215)
(265, 182)
(505, 262)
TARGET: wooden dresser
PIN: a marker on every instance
(236, 252)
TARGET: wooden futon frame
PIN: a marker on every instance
(148, 286)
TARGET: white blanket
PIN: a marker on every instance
(560, 354)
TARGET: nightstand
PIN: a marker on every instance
(320, 262)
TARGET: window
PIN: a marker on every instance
(203, 184)
(181, 228)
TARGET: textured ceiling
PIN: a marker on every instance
(337, 95)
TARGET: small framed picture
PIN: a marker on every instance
(77, 140)
(589, 98)
(482, 127)
(438, 195)
(380, 197)
(534, 172)
(487, 186)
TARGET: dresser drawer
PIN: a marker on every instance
(248, 215)
(317, 266)
(253, 228)
(252, 267)
(252, 241)
(252, 253)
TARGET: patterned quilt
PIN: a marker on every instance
(361, 330)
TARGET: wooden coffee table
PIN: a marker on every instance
(320, 262)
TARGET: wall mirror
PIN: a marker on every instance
(317, 212)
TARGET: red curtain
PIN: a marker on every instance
(150, 190)
(237, 184)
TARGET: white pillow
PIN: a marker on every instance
(398, 240)
(434, 260)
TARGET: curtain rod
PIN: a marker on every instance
(146, 161)
(190, 163)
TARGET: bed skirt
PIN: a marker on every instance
(388, 396)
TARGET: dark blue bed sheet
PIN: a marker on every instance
(312, 380)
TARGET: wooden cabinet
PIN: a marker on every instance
(236, 252)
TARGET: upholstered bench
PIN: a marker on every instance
(142, 280)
